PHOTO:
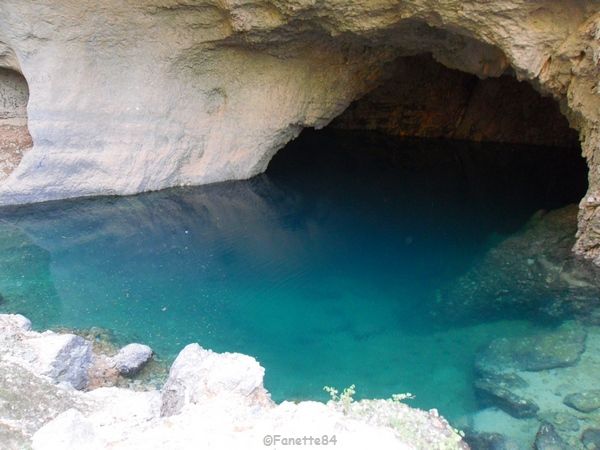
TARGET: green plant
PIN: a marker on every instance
(345, 398)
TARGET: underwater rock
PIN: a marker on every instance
(591, 439)
(533, 269)
(548, 439)
(562, 421)
(198, 374)
(489, 441)
(490, 392)
(132, 358)
(558, 348)
(497, 390)
(586, 401)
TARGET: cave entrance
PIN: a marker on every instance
(446, 167)
(497, 140)
(15, 139)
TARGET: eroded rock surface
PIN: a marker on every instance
(423, 98)
(128, 97)
(550, 279)
(586, 401)
(558, 348)
(548, 439)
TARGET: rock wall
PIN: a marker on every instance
(134, 96)
(14, 135)
(425, 99)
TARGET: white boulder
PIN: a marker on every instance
(13, 324)
(68, 430)
(198, 375)
(132, 358)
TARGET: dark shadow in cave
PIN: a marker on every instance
(454, 165)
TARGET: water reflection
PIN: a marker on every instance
(328, 268)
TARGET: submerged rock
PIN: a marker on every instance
(586, 401)
(558, 348)
(562, 421)
(548, 439)
(489, 441)
(497, 394)
(533, 269)
(591, 439)
(132, 358)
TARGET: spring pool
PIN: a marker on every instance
(327, 268)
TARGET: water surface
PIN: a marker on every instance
(327, 268)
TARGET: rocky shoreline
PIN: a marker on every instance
(49, 399)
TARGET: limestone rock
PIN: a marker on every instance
(69, 430)
(548, 439)
(198, 374)
(214, 401)
(501, 396)
(489, 441)
(425, 99)
(586, 401)
(11, 324)
(559, 348)
(63, 358)
(563, 422)
(591, 439)
(132, 358)
(127, 98)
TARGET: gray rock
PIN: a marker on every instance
(132, 358)
(489, 391)
(586, 401)
(563, 422)
(558, 348)
(548, 439)
(65, 358)
(591, 439)
(489, 441)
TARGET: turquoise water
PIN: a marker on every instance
(327, 268)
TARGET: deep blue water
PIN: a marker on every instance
(326, 268)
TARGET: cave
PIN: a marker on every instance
(501, 139)
(373, 224)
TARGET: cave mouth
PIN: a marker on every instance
(468, 167)
(495, 145)
(359, 257)
(15, 139)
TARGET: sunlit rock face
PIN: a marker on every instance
(14, 135)
(133, 96)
